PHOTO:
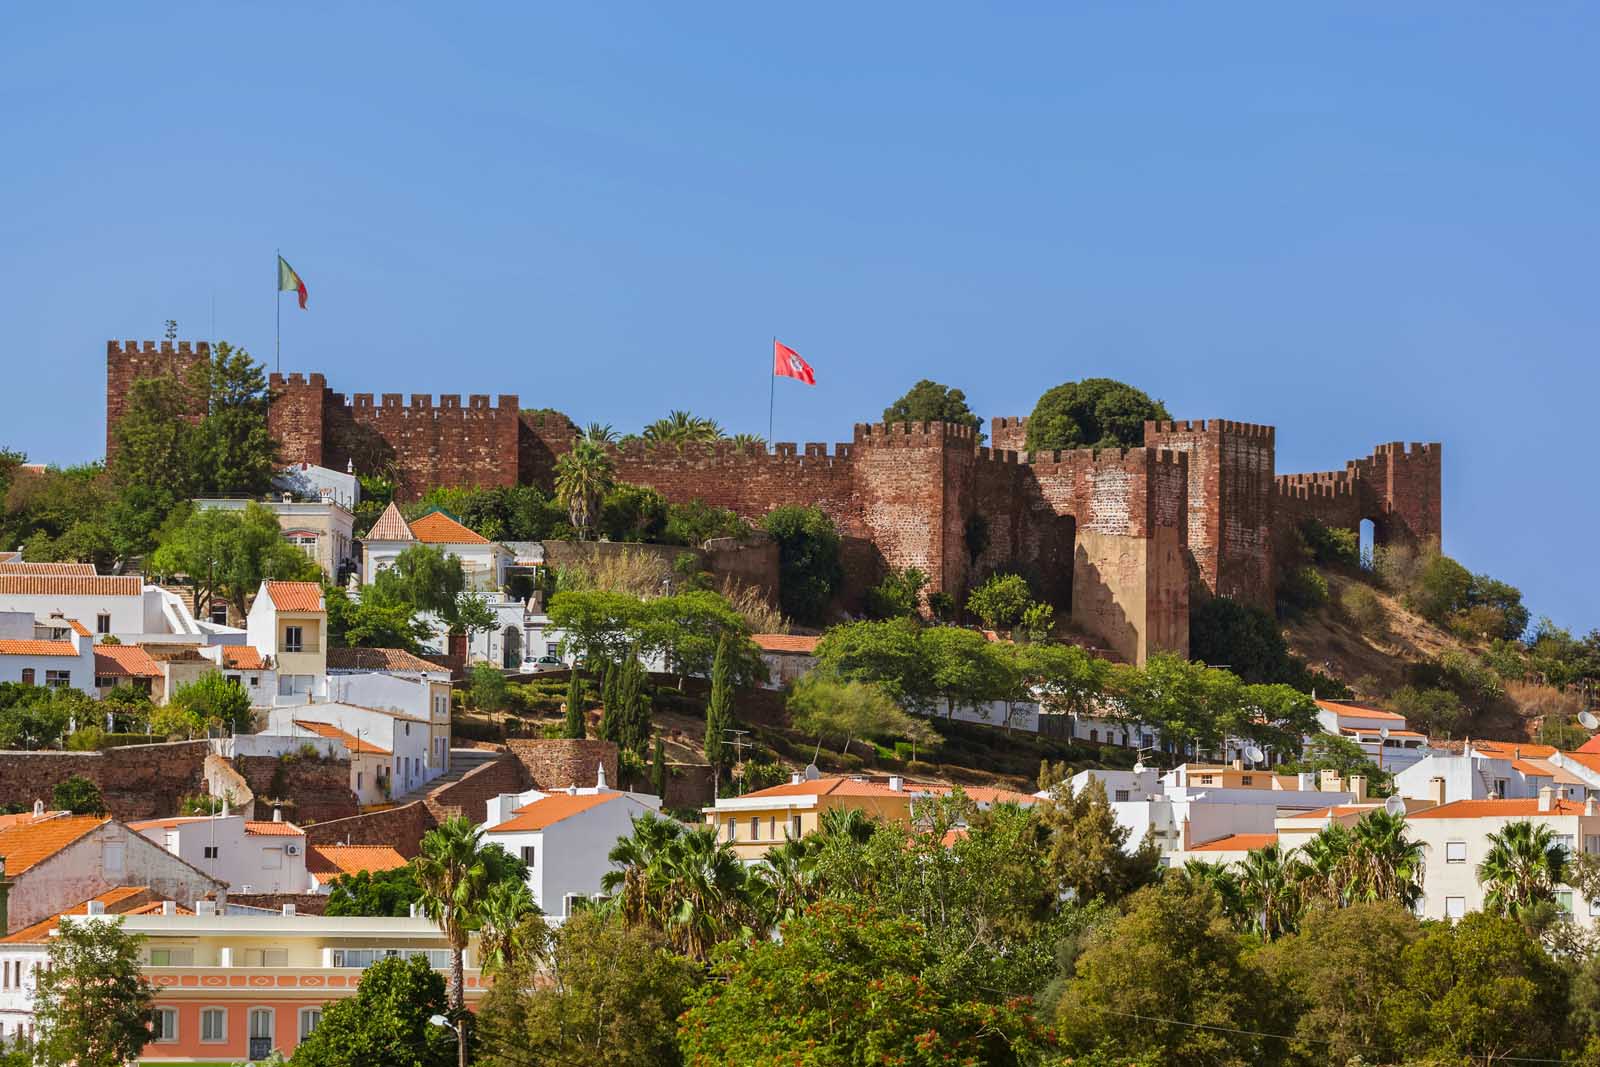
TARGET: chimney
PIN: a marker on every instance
(1306, 780)
(169, 907)
(1436, 790)
(5, 893)
(1358, 786)
(1546, 797)
(288, 911)
(38, 809)
(1589, 806)
(1237, 764)
(1331, 782)
(277, 814)
(795, 778)
(600, 780)
(896, 783)
(97, 907)
(226, 809)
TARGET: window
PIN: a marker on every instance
(102, 624)
(172, 957)
(211, 852)
(310, 1019)
(165, 1022)
(1121, 796)
(1208, 779)
(294, 639)
(1455, 852)
(755, 828)
(794, 827)
(58, 679)
(730, 826)
(528, 854)
(104, 681)
(1247, 780)
(113, 856)
(261, 1026)
(272, 859)
(265, 957)
(438, 958)
(1500, 787)
(294, 685)
(27, 676)
(1591, 843)
(1564, 900)
(213, 1024)
(1455, 907)
(255, 680)
(358, 781)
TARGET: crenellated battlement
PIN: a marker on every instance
(1214, 427)
(1416, 450)
(277, 381)
(736, 454)
(422, 406)
(914, 434)
(125, 349)
(1316, 489)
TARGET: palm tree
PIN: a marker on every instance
(851, 823)
(583, 477)
(681, 428)
(636, 859)
(601, 433)
(1222, 879)
(454, 875)
(1325, 865)
(511, 927)
(706, 891)
(742, 441)
(1523, 867)
(788, 874)
(1385, 864)
(1268, 888)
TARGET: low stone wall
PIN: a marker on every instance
(310, 790)
(136, 781)
(304, 903)
(555, 763)
(401, 827)
(471, 795)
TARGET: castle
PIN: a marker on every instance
(1119, 539)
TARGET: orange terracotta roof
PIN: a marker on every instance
(786, 643)
(352, 859)
(1339, 811)
(243, 658)
(952, 835)
(1513, 808)
(1512, 750)
(295, 596)
(56, 569)
(31, 843)
(69, 585)
(37, 648)
(391, 526)
(25, 817)
(155, 907)
(1591, 745)
(1355, 711)
(165, 824)
(986, 794)
(551, 810)
(843, 787)
(379, 659)
(1237, 843)
(39, 932)
(125, 661)
(1529, 767)
(437, 528)
(268, 828)
(79, 628)
(355, 745)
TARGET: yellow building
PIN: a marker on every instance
(289, 622)
(758, 821)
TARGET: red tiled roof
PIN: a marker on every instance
(786, 643)
(268, 828)
(37, 648)
(1237, 843)
(56, 569)
(378, 659)
(391, 526)
(357, 747)
(1513, 750)
(79, 628)
(23, 818)
(39, 932)
(1513, 808)
(125, 661)
(551, 810)
(33, 842)
(69, 585)
(1527, 767)
(295, 596)
(440, 529)
(352, 859)
(1354, 711)
(243, 658)
(843, 787)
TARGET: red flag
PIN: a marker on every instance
(786, 363)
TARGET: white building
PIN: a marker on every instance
(67, 662)
(245, 855)
(1485, 770)
(565, 837)
(389, 752)
(323, 529)
(123, 606)
(289, 622)
(1383, 736)
(311, 482)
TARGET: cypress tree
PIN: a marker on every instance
(719, 709)
(575, 717)
(610, 717)
(658, 769)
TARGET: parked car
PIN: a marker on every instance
(546, 663)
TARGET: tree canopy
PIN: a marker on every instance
(385, 1022)
(1093, 413)
(930, 401)
(92, 1001)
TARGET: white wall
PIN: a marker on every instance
(570, 856)
(267, 863)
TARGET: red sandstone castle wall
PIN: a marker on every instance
(1009, 434)
(1397, 487)
(127, 362)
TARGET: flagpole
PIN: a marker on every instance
(277, 310)
(772, 390)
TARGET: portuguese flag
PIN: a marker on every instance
(289, 282)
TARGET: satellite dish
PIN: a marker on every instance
(1395, 806)
(812, 772)
(1383, 734)
(1587, 720)
(1253, 754)
(1138, 768)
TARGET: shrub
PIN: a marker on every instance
(1303, 589)
(898, 595)
(808, 559)
(1001, 600)
(1365, 610)
(1434, 711)
(89, 738)
(1331, 545)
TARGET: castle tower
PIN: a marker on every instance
(128, 361)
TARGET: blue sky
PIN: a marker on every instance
(1359, 225)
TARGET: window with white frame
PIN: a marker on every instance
(58, 679)
(102, 622)
(164, 1024)
(1455, 907)
(213, 1024)
(172, 957)
(261, 1020)
(1564, 900)
(294, 639)
(310, 1019)
(1455, 852)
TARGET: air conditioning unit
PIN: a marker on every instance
(293, 850)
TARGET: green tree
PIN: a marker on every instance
(889, 654)
(367, 623)
(966, 669)
(835, 709)
(633, 513)
(689, 630)
(1093, 413)
(385, 1022)
(235, 454)
(1437, 712)
(1522, 869)
(79, 795)
(1339, 972)
(1269, 891)
(230, 553)
(929, 401)
(719, 711)
(92, 1001)
(488, 688)
(898, 595)
(609, 996)
(1479, 990)
(1170, 978)
(1000, 600)
(425, 578)
(682, 428)
(658, 768)
(213, 701)
(596, 625)
(844, 986)
(390, 893)
(1085, 849)
(809, 571)
(1441, 588)
(583, 477)
(511, 927)
(573, 727)
(454, 873)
